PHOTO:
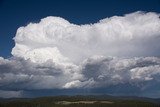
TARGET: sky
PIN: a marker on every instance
(69, 47)
(16, 13)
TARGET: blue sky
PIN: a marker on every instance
(16, 13)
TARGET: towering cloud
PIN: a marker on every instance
(56, 54)
(135, 34)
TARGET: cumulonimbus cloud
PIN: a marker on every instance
(56, 54)
(135, 34)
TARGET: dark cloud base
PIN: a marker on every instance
(97, 75)
(118, 90)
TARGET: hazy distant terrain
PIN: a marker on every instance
(81, 101)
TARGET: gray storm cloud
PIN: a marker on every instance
(56, 54)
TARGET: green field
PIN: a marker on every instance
(76, 101)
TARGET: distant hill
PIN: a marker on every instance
(81, 101)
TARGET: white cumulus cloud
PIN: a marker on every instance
(135, 34)
(57, 54)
